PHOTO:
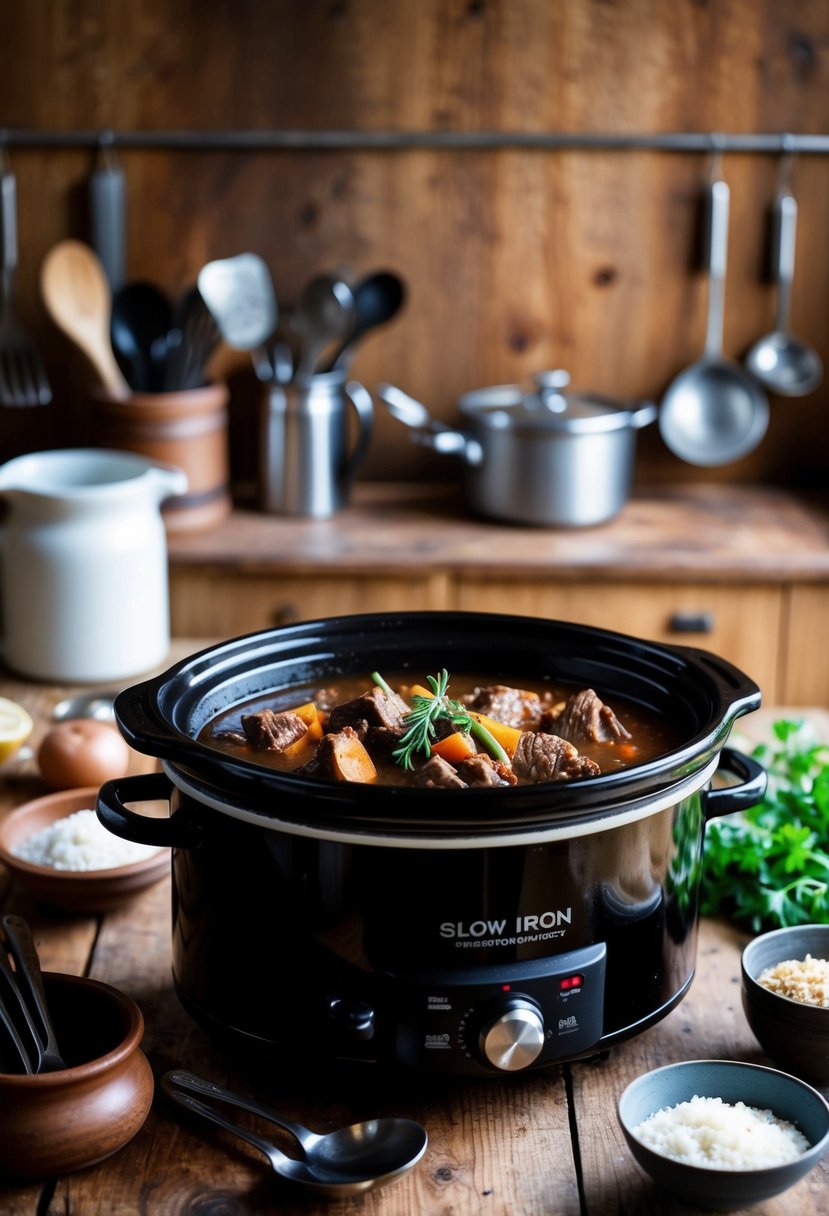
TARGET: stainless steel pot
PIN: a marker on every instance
(546, 457)
(423, 928)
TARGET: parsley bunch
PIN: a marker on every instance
(768, 866)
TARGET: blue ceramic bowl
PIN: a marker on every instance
(794, 1035)
(726, 1190)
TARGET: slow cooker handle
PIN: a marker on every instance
(177, 832)
(754, 780)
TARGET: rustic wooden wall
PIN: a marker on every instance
(514, 259)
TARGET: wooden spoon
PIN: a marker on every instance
(76, 292)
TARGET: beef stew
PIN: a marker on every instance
(476, 733)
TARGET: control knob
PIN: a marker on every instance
(512, 1034)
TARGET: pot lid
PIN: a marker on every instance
(549, 408)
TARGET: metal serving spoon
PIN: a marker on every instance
(324, 314)
(30, 985)
(782, 363)
(345, 1162)
(713, 412)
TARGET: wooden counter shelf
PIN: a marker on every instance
(739, 570)
(527, 1145)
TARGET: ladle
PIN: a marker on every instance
(377, 299)
(782, 363)
(76, 293)
(30, 985)
(324, 314)
(141, 320)
(345, 1162)
(713, 412)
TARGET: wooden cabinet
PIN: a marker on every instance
(742, 624)
(743, 573)
(214, 603)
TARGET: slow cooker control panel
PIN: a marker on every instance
(501, 1018)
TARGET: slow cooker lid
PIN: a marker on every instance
(702, 694)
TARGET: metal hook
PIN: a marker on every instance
(107, 157)
(718, 146)
(788, 150)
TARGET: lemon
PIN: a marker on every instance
(15, 727)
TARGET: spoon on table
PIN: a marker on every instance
(77, 296)
(141, 320)
(782, 363)
(345, 1162)
(324, 314)
(29, 979)
(377, 299)
(713, 412)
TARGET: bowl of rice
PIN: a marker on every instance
(785, 993)
(57, 848)
(722, 1134)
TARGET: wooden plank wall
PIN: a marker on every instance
(515, 260)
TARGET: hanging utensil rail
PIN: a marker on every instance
(328, 140)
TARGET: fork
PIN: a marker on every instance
(23, 379)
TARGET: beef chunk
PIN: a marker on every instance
(483, 770)
(381, 714)
(231, 738)
(542, 757)
(341, 755)
(513, 706)
(586, 719)
(269, 731)
(437, 773)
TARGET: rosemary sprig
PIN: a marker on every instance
(426, 712)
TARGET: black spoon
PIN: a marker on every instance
(29, 980)
(377, 298)
(141, 320)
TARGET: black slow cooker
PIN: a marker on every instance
(470, 931)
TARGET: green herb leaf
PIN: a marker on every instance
(768, 866)
(426, 712)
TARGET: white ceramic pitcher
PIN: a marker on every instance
(83, 564)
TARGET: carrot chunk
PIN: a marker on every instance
(455, 747)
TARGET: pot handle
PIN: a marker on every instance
(425, 429)
(643, 415)
(179, 831)
(360, 399)
(729, 798)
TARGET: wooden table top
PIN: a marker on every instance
(712, 532)
(528, 1145)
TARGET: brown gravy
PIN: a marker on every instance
(650, 735)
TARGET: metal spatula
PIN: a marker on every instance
(239, 293)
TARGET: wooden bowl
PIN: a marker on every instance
(74, 890)
(56, 1122)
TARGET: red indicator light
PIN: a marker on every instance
(570, 982)
(506, 987)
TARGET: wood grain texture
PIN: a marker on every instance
(515, 259)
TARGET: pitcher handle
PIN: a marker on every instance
(360, 398)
